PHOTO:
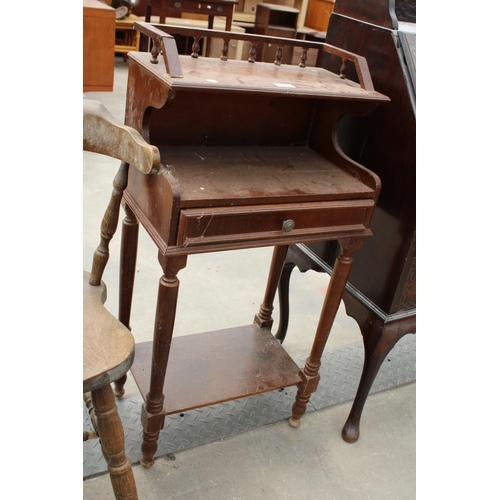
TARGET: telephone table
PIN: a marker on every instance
(249, 158)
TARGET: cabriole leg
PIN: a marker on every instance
(378, 339)
(284, 294)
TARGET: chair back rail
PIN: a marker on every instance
(104, 135)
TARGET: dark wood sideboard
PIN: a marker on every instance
(381, 292)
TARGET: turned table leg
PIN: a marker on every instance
(113, 443)
(153, 416)
(310, 373)
(128, 259)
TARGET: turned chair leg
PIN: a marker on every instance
(113, 443)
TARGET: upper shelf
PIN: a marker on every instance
(212, 74)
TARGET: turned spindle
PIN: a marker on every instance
(303, 58)
(225, 49)
(342, 68)
(155, 51)
(279, 55)
(109, 224)
(253, 53)
(195, 47)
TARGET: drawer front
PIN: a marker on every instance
(287, 221)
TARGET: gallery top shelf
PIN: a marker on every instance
(220, 74)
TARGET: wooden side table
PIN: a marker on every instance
(174, 8)
(249, 158)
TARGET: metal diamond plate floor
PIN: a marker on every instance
(340, 372)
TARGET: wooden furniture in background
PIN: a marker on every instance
(108, 346)
(246, 10)
(249, 159)
(127, 38)
(98, 46)
(277, 21)
(175, 8)
(318, 14)
(381, 292)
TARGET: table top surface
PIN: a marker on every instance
(232, 176)
(212, 74)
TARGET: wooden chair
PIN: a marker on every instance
(108, 346)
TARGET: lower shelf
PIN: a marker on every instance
(213, 367)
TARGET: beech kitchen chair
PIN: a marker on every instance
(108, 346)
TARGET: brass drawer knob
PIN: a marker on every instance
(177, 5)
(288, 225)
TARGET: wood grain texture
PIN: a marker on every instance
(214, 367)
(229, 176)
(98, 46)
(159, 32)
(112, 440)
(108, 347)
(379, 12)
(210, 75)
(384, 142)
(103, 134)
(250, 158)
(200, 227)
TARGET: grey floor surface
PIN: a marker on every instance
(271, 461)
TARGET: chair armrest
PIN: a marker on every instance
(103, 134)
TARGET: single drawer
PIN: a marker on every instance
(287, 221)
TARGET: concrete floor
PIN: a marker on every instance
(274, 461)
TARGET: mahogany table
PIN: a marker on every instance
(249, 159)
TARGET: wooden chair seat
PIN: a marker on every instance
(108, 347)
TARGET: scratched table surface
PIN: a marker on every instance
(228, 176)
(236, 76)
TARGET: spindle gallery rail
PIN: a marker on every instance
(164, 43)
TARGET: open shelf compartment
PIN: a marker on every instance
(213, 367)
